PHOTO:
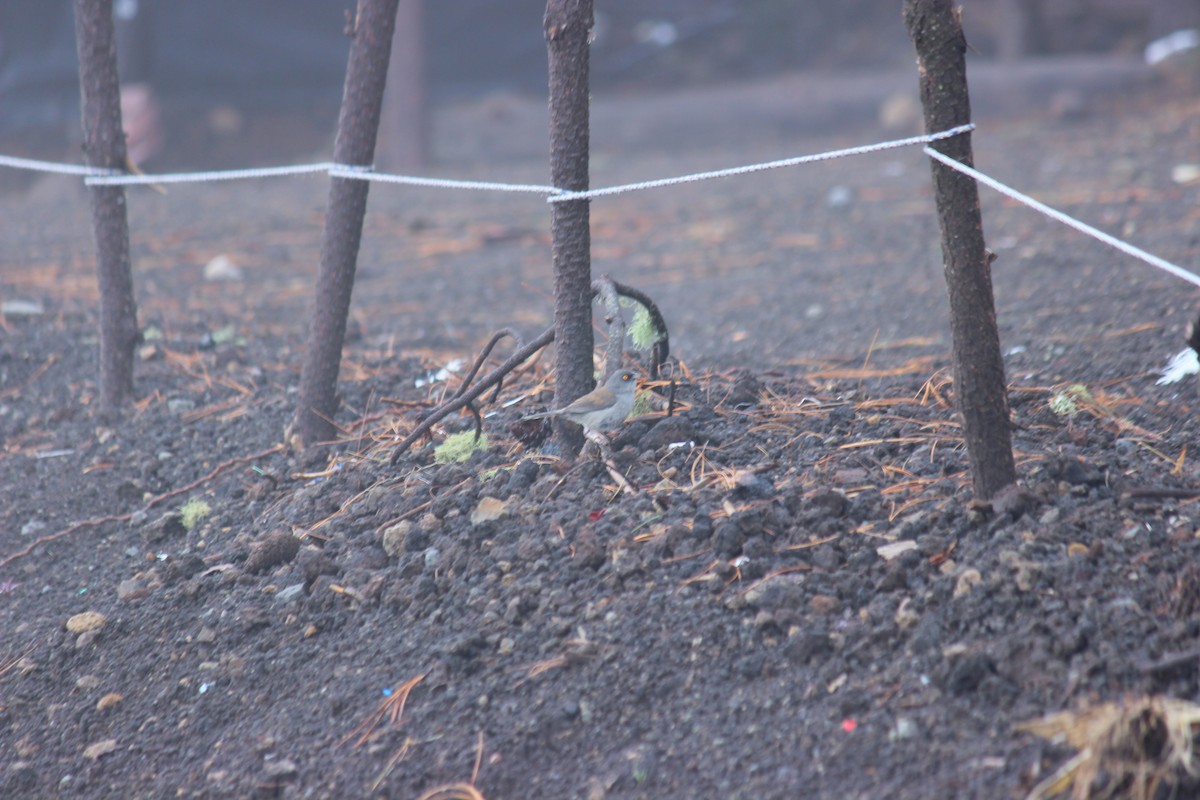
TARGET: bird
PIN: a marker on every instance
(603, 408)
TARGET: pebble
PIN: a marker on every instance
(431, 557)
(394, 537)
(283, 769)
(489, 509)
(823, 604)
(131, 589)
(109, 701)
(277, 547)
(906, 617)
(968, 579)
(904, 728)
(289, 593)
(86, 621)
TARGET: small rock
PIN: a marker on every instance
(588, 552)
(750, 486)
(102, 748)
(831, 501)
(394, 537)
(1027, 575)
(314, 563)
(86, 621)
(489, 509)
(827, 558)
(281, 770)
(895, 578)
(166, 526)
(522, 477)
(905, 616)
(823, 604)
(895, 549)
(131, 589)
(289, 593)
(625, 562)
(968, 579)
(277, 547)
(1050, 516)
(728, 539)
(430, 557)
(109, 701)
(904, 728)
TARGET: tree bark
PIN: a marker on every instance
(980, 385)
(104, 146)
(568, 25)
(358, 125)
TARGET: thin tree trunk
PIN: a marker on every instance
(405, 125)
(568, 25)
(358, 125)
(979, 382)
(104, 146)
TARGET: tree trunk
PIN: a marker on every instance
(568, 25)
(104, 146)
(979, 382)
(405, 123)
(358, 124)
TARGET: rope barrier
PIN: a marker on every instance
(787, 162)
(1069, 221)
(51, 166)
(94, 176)
(108, 179)
(364, 174)
(101, 177)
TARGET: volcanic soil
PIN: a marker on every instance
(800, 597)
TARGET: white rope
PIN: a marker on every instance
(364, 174)
(51, 166)
(1053, 213)
(787, 162)
(102, 177)
(94, 176)
(201, 177)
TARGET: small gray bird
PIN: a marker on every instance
(603, 408)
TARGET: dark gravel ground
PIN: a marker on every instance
(799, 601)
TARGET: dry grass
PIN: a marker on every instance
(1132, 750)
